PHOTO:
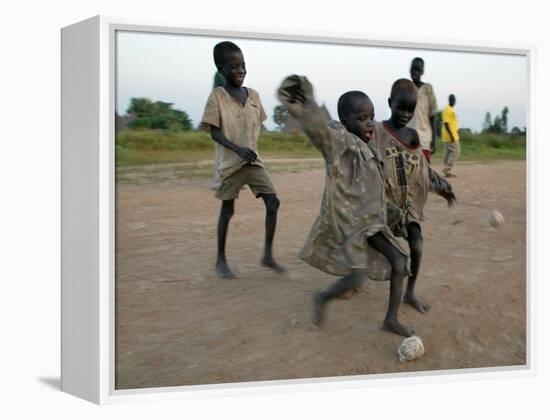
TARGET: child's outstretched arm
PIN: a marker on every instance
(441, 187)
(296, 95)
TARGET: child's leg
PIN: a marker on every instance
(455, 154)
(342, 285)
(414, 237)
(446, 155)
(271, 206)
(226, 213)
(398, 263)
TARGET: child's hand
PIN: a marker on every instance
(442, 187)
(294, 92)
(246, 154)
(450, 197)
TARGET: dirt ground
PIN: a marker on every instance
(178, 324)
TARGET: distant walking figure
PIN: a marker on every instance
(451, 139)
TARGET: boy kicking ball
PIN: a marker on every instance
(408, 177)
(351, 236)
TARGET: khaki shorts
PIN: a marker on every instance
(256, 177)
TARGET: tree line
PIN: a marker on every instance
(499, 125)
(145, 113)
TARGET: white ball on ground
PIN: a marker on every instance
(496, 218)
(411, 348)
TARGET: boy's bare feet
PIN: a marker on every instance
(269, 262)
(416, 302)
(349, 293)
(318, 303)
(223, 270)
(397, 328)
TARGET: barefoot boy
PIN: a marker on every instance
(350, 236)
(234, 116)
(408, 177)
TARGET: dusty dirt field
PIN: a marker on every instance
(178, 324)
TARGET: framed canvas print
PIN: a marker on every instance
(247, 209)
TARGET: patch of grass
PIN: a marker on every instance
(134, 157)
(163, 140)
(488, 147)
(145, 147)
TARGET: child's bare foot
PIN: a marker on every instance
(318, 304)
(416, 303)
(397, 328)
(223, 270)
(269, 262)
(349, 293)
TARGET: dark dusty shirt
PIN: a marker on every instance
(353, 206)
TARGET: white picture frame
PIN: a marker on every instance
(88, 196)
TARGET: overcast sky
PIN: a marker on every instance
(180, 69)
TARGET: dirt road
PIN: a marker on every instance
(178, 324)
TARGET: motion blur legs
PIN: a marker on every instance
(271, 207)
(397, 262)
(322, 296)
(226, 213)
(414, 237)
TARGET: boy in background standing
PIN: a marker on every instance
(426, 107)
(451, 139)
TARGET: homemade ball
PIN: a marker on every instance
(495, 218)
(411, 348)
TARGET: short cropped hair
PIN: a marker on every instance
(347, 103)
(417, 60)
(402, 85)
(221, 50)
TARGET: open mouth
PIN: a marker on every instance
(368, 135)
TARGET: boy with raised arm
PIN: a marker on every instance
(350, 237)
(234, 116)
(408, 177)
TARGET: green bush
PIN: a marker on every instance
(157, 115)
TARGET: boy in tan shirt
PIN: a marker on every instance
(426, 106)
(234, 116)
